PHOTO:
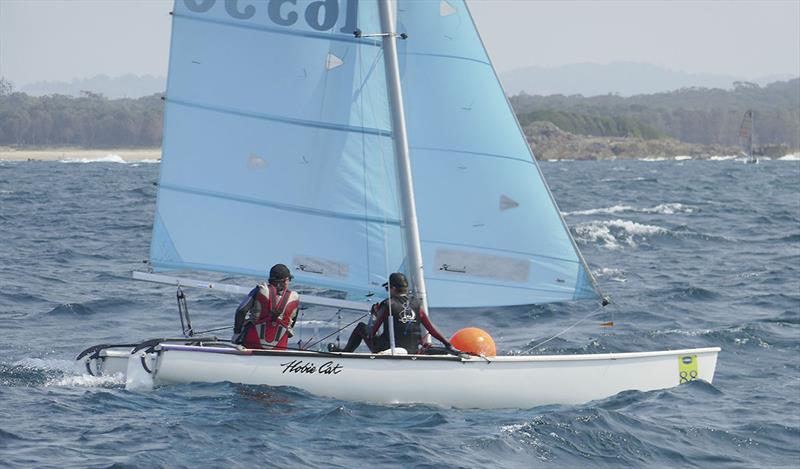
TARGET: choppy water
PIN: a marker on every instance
(695, 253)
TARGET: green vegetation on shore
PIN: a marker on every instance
(699, 116)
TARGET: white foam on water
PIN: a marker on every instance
(595, 211)
(47, 364)
(790, 157)
(660, 158)
(683, 158)
(617, 275)
(667, 209)
(110, 158)
(723, 158)
(89, 381)
(72, 373)
(614, 234)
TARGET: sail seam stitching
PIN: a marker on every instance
(446, 56)
(279, 206)
(476, 153)
(285, 120)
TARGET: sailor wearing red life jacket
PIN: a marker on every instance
(265, 319)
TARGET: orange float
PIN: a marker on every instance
(474, 340)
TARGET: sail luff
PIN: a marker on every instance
(411, 228)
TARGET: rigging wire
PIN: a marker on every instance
(590, 314)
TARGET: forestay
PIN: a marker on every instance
(277, 145)
(491, 233)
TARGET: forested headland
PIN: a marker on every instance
(699, 116)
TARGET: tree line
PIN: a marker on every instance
(90, 120)
(694, 115)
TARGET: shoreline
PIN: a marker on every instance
(153, 155)
(128, 155)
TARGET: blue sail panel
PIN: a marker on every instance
(277, 145)
(491, 233)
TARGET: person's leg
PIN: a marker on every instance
(359, 333)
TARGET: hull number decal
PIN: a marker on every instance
(687, 368)
(300, 366)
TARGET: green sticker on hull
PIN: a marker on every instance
(687, 368)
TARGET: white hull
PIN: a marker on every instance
(464, 382)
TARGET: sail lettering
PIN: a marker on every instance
(233, 10)
(199, 6)
(320, 15)
(329, 10)
(275, 13)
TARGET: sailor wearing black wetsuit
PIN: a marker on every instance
(406, 314)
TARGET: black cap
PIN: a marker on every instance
(279, 272)
(397, 280)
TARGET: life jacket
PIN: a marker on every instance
(271, 318)
(405, 316)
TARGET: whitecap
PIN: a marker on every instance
(617, 275)
(666, 209)
(89, 381)
(790, 157)
(660, 158)
(595, 211)
(683, 158)
(723, 158)
(613, 234)
(110, 158)
(670, 209)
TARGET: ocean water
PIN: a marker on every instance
(693, 253)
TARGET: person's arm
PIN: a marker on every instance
(241, 312)
(381, 313)
(432, 329)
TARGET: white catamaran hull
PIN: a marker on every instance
(464, 382)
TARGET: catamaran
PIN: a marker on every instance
(352, 139)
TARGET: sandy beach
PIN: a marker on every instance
(80, 154)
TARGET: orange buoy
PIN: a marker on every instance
(474, 340)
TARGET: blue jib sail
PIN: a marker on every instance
(277, 145)
(491, 233)
(278, 148)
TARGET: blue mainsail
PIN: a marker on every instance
(277, 145)
(278, 148)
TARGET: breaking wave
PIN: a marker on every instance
(615, 234)
(617, 275)
(110, 158)
(667, 209)
(791, 157)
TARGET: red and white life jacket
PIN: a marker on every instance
(276, 315)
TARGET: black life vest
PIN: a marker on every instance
(405, 316)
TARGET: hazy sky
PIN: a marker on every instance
(65, 39)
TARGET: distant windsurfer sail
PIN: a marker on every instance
(747, 137)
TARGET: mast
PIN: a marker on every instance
(410, 226)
